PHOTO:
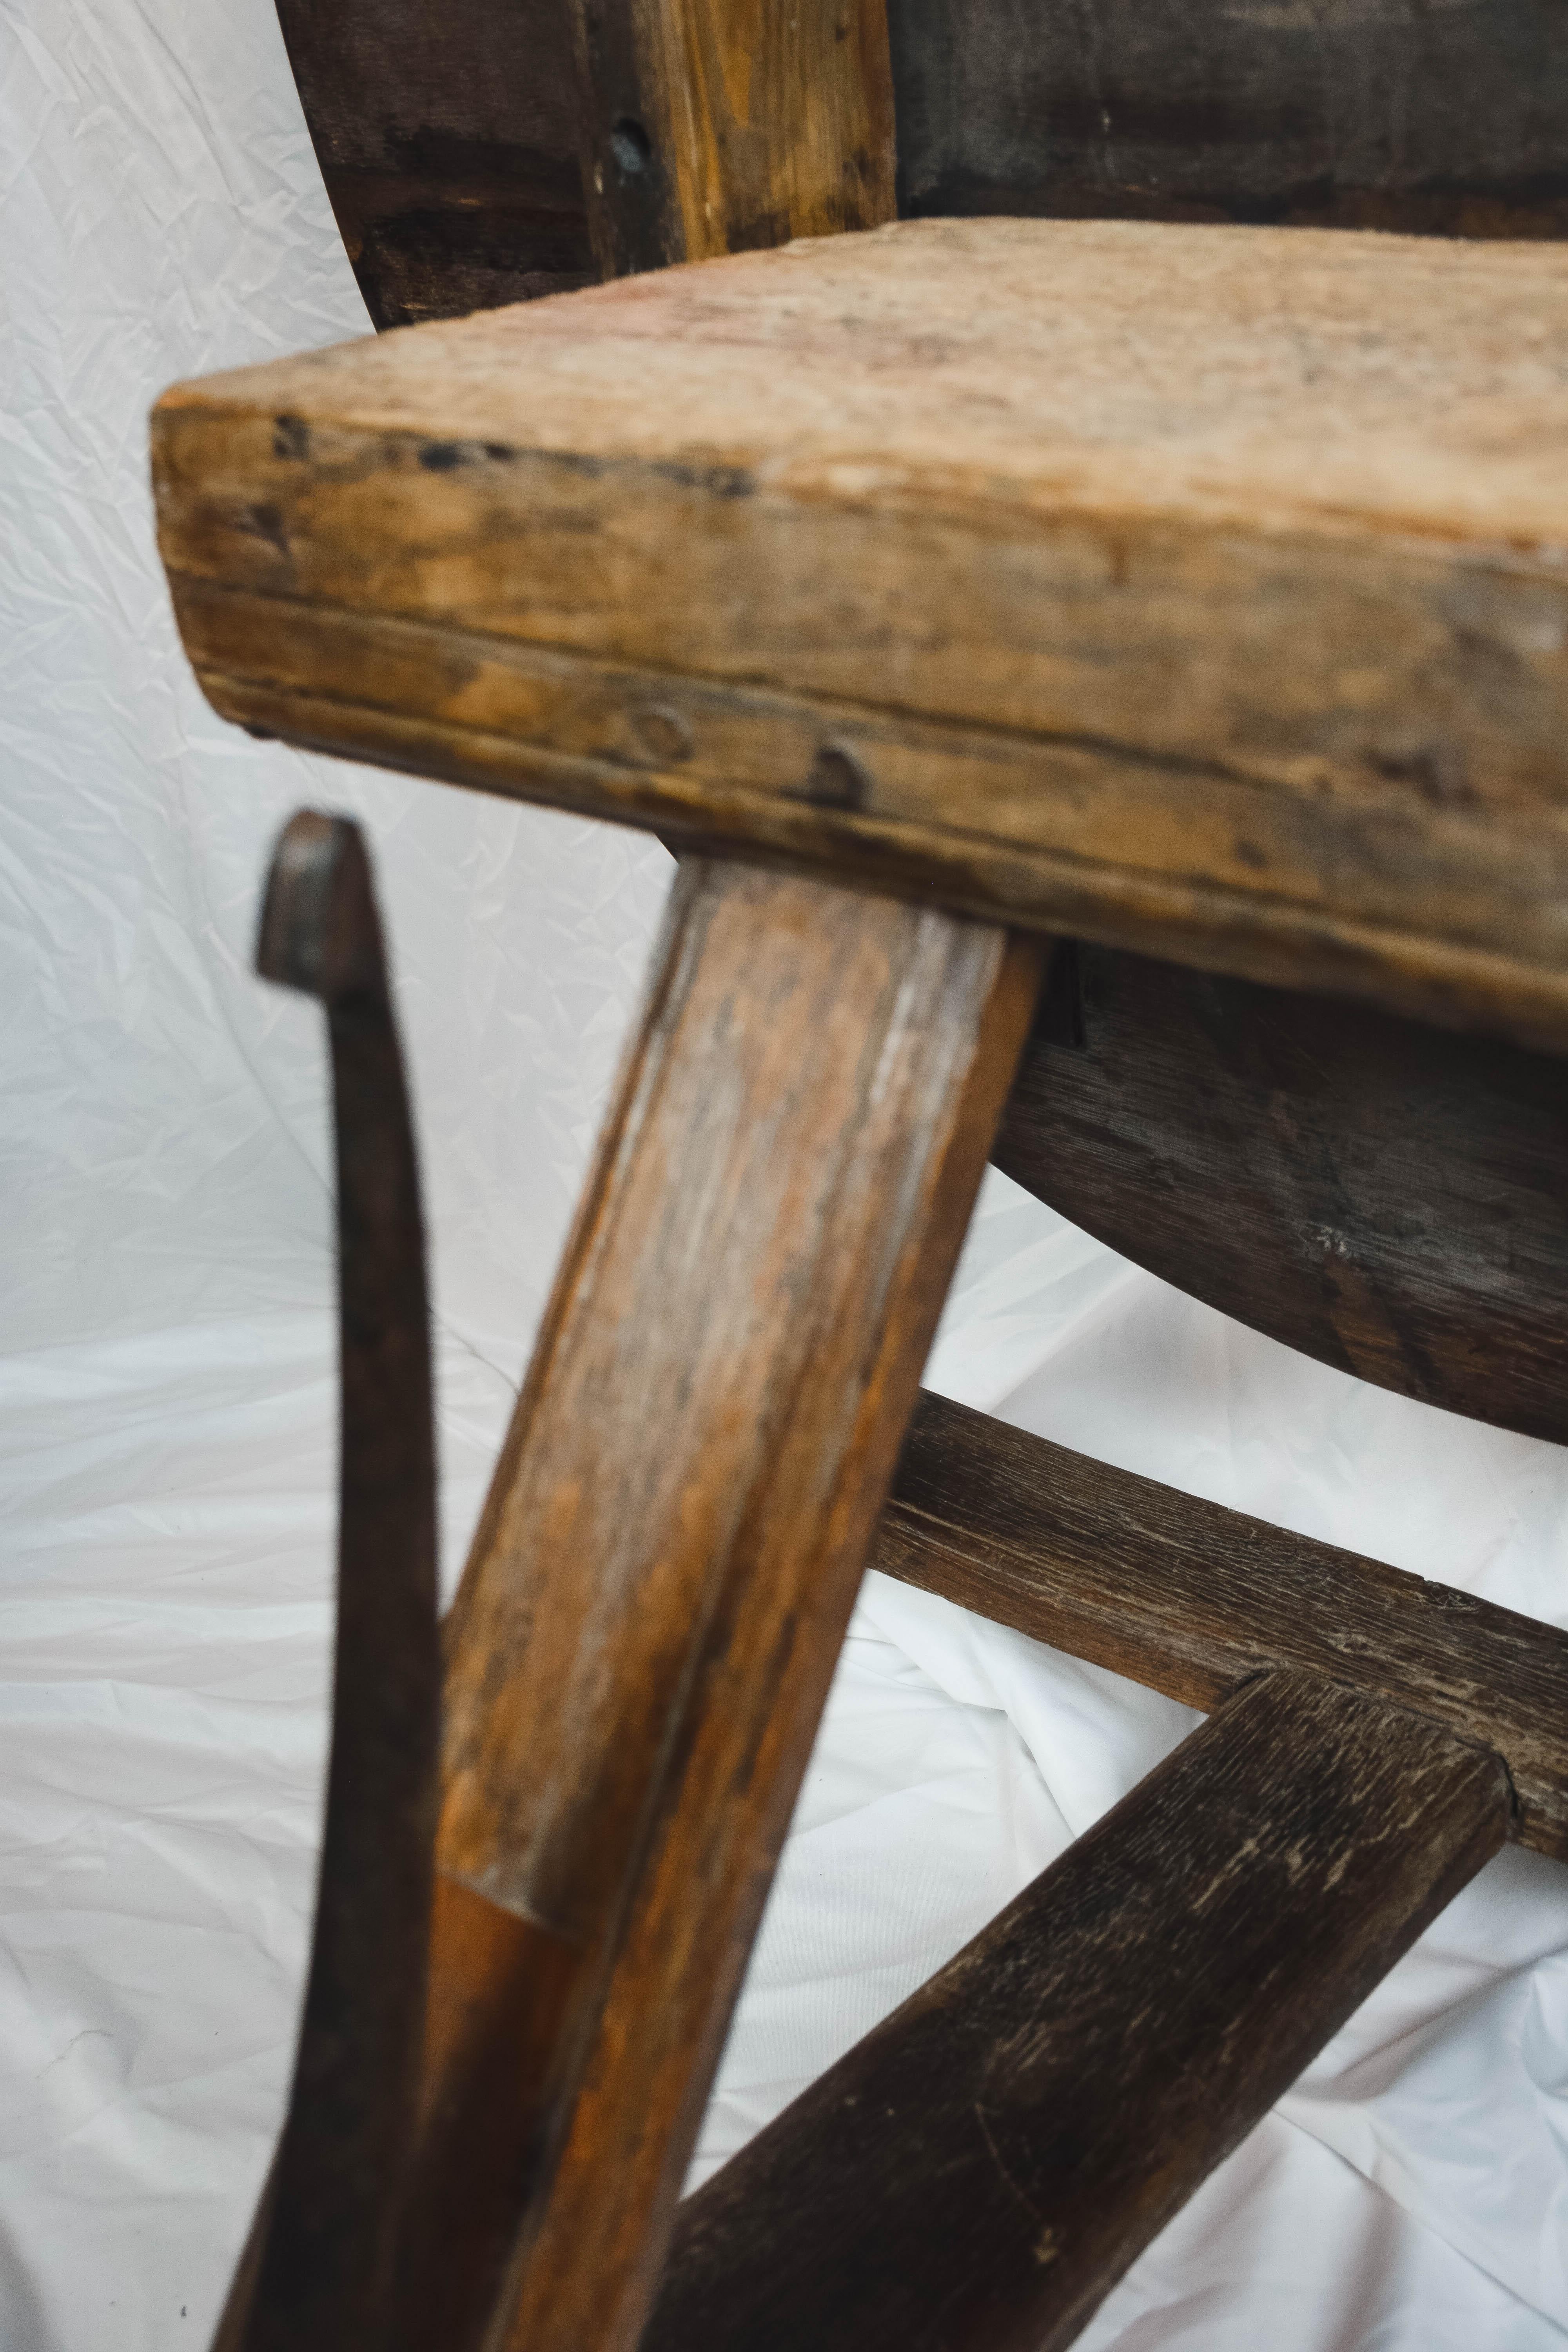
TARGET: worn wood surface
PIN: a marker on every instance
(977, 2174)
(1360, 114)
(1198, 590)
(646, 1629)
(500, 1988)
(448, 140)
(1192, 1599)
(710, 128)
(317, 2269)
(1387, 1197)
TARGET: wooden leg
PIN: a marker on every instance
(646, 1633)
(1195, 1599)
(977, 2174)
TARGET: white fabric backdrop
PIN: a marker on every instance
(167, 1406)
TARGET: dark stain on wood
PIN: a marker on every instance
(630, 185)
(448, 140)
(1448, 122)
(977, 2174)
(1387, 1197)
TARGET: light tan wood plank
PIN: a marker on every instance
(1264, 378)
(985, 821)
(1207, 590)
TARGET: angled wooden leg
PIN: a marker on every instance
(660, 1585)
(977, 2174)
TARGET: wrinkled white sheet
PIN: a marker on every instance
(166, 1392)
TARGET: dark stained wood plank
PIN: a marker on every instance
(646, 1629)
(1390, 1198)
(710, 129)
(1451, 121)
(1192, 1599)
(318, 2270)
(977, 2174)
(447, 134)
(450, 136)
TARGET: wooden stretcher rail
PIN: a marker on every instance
(977, 2173)
(1192, 1599)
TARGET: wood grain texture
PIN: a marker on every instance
(977, 2174)
(1384, 1196)
(645, 1634)
(718, 126)
(317, 2269)
(1197, 591)
(1357, 113)
(447, 138)
(1192, 1599)
(499, 1992)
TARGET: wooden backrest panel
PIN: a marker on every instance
(447, 133)
(448, 137)
(976, 2174)
(1400, 1215)
(478, 154)
(1390, 1198)
(1450, 120)
(1194, 1599)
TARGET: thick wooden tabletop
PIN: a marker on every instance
(1203, 590)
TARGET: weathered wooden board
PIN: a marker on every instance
(1390, 1198)
(1204, 590)
(465, 149)
(1361, 114)
(646, 1633)
(976, 2174)
(448, 140)
(1194, 1599)
(710, 129)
